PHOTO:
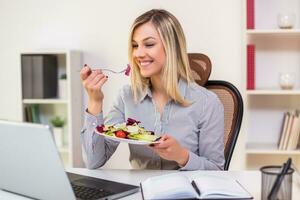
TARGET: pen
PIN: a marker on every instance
(275, 188)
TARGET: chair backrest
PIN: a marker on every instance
(229, 96)
(201, 67)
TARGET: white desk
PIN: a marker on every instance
(251, 180)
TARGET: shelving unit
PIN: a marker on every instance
(69, 108)
(268, 149)
(45, 101)
(276, 50)
(274, 32)
(273, 92)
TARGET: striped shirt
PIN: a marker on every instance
(198, 127)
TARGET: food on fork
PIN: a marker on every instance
(127, 71)
(128, 130)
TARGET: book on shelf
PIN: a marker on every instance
(250, 14)
(294, 134)
(290, 131)
(39, 76)
(26, 76)
(35, 110)
(44, 69)
(32, 113)
(179, 186)
(250, 67)
(284, 126)
(28, 114)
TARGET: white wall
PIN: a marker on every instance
(99, 28)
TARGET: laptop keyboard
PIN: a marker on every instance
(89, 193)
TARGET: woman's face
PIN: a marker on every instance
(148, 50)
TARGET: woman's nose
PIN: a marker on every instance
(139, 52)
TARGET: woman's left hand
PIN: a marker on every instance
(170, 149)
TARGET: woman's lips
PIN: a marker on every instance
(145, 63)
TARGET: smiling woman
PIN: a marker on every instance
(188, 119)
(148, 51)
(157, 46)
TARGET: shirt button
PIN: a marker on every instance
(94, 124)
(83, 130)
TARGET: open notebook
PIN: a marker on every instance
(178, 186)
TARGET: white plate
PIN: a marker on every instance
(129, 141)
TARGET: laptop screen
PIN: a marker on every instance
(30, 163)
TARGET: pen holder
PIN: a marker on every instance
(268, 177)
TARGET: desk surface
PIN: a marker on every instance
(251, 180)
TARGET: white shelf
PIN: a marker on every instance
(45, 101)
(273, 92)
(276, 51)
(268, 149)
(273, 32)
(271, 152)
(46, 51)
(70, 108)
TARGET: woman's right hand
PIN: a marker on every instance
(92, 81)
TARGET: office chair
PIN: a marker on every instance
(229, 96)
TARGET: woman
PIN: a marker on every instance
(164, 97)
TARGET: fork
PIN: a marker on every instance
(126, 70)
(109, 70)
(105, 69)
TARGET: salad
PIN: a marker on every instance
(128, 130)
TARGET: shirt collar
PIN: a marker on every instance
(146, 93)
(182, 85)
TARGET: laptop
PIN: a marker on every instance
(30, 166)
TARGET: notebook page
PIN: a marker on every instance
(220, 187)
(168, 186)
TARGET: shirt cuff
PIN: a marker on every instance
(88, 130)
(92, 120)
(193, 163)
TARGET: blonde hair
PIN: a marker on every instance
(177, 64)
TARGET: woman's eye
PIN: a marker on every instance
(149, 45)
(134, 45)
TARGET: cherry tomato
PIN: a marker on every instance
(120, 134)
